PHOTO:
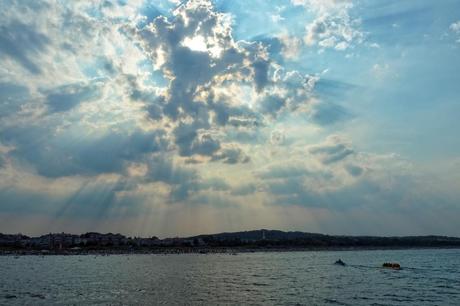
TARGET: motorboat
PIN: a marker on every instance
(392, 265)
(339, 262)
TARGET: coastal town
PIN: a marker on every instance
(88, 241)
(247, 241)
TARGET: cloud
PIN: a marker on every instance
(244, 190)
(326, 113)
(291, 46)
(260, 67)
(204, 94)
(80, 135)
(455, 28)
(335, 176)
(329, 89)
(213, 78)
(56, 154)
(116, 108)
(281, 172)
(205, 145)
(195, 51)
(192, 49)
(185, 134)
(277, 137)
(164, 170)
(354, 170)
(333, 150)
(184, 182)
(94, 199)
(13, 97)
(272, 104)
(231, 155)
(21, 43)
(66, 97)
(291, 92)
(190, 142)
(333, 27)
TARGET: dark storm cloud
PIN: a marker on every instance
(22, 43)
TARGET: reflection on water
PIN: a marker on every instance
(428, 277)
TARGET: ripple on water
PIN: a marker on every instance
(257, 278)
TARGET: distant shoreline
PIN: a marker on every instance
(93, 243)
(201, 251)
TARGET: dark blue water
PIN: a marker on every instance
(428, 277)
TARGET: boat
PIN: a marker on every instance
(339, 262)
(392, 265)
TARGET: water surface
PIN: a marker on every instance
(428, 277)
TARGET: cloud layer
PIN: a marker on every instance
(160, 112)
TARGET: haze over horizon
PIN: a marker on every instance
(178, 118)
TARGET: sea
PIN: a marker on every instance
(427, 277)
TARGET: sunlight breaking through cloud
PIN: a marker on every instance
(175, 111)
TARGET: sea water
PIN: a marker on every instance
(428, 277)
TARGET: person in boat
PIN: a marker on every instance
(340, 262)
(392, 265)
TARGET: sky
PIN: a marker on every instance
(175, 118)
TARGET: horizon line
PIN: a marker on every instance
(233, 232)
